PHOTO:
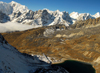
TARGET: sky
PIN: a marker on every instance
(81, 6)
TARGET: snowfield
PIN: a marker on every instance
(12, 26)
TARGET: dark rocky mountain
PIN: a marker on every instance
(4, 17)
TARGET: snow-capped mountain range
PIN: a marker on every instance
(21, 14)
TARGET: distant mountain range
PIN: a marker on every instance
(16, 12)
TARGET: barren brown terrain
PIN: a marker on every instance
(71, 44)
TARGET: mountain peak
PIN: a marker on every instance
(1, 2)
(18, 7)
(13, 2)
(46, 9)
(97, 13)
(49, 11)
(74, 15)
(5, 8)
(57, 10)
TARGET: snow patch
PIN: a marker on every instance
(49, 32)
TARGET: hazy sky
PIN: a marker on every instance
(81, 6)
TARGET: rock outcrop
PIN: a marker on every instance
(3, 17)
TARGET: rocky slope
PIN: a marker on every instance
(12, 61)
(86, 24)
